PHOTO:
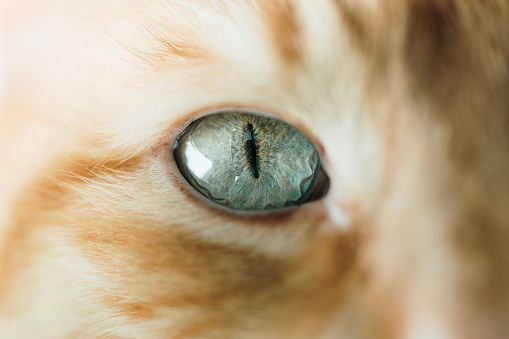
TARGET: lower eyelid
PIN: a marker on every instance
(196, 201)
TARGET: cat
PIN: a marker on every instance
(406, 103)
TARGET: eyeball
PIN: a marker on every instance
(250, 162)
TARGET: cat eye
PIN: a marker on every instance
(250, 162)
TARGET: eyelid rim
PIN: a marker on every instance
(170, 136)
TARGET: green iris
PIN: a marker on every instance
(250, 162)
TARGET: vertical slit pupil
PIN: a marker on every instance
(251, 152)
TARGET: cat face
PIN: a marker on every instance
(405, 102)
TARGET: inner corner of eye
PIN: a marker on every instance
(250, 162)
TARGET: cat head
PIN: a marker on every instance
(406, 102)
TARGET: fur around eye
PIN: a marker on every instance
(249, 162)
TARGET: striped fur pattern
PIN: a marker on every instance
(406, 101)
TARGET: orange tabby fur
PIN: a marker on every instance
(407, 102)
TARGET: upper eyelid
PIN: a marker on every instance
(170, 134)
(185, 119)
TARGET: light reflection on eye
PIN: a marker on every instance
(197, 162)
(250, 162)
